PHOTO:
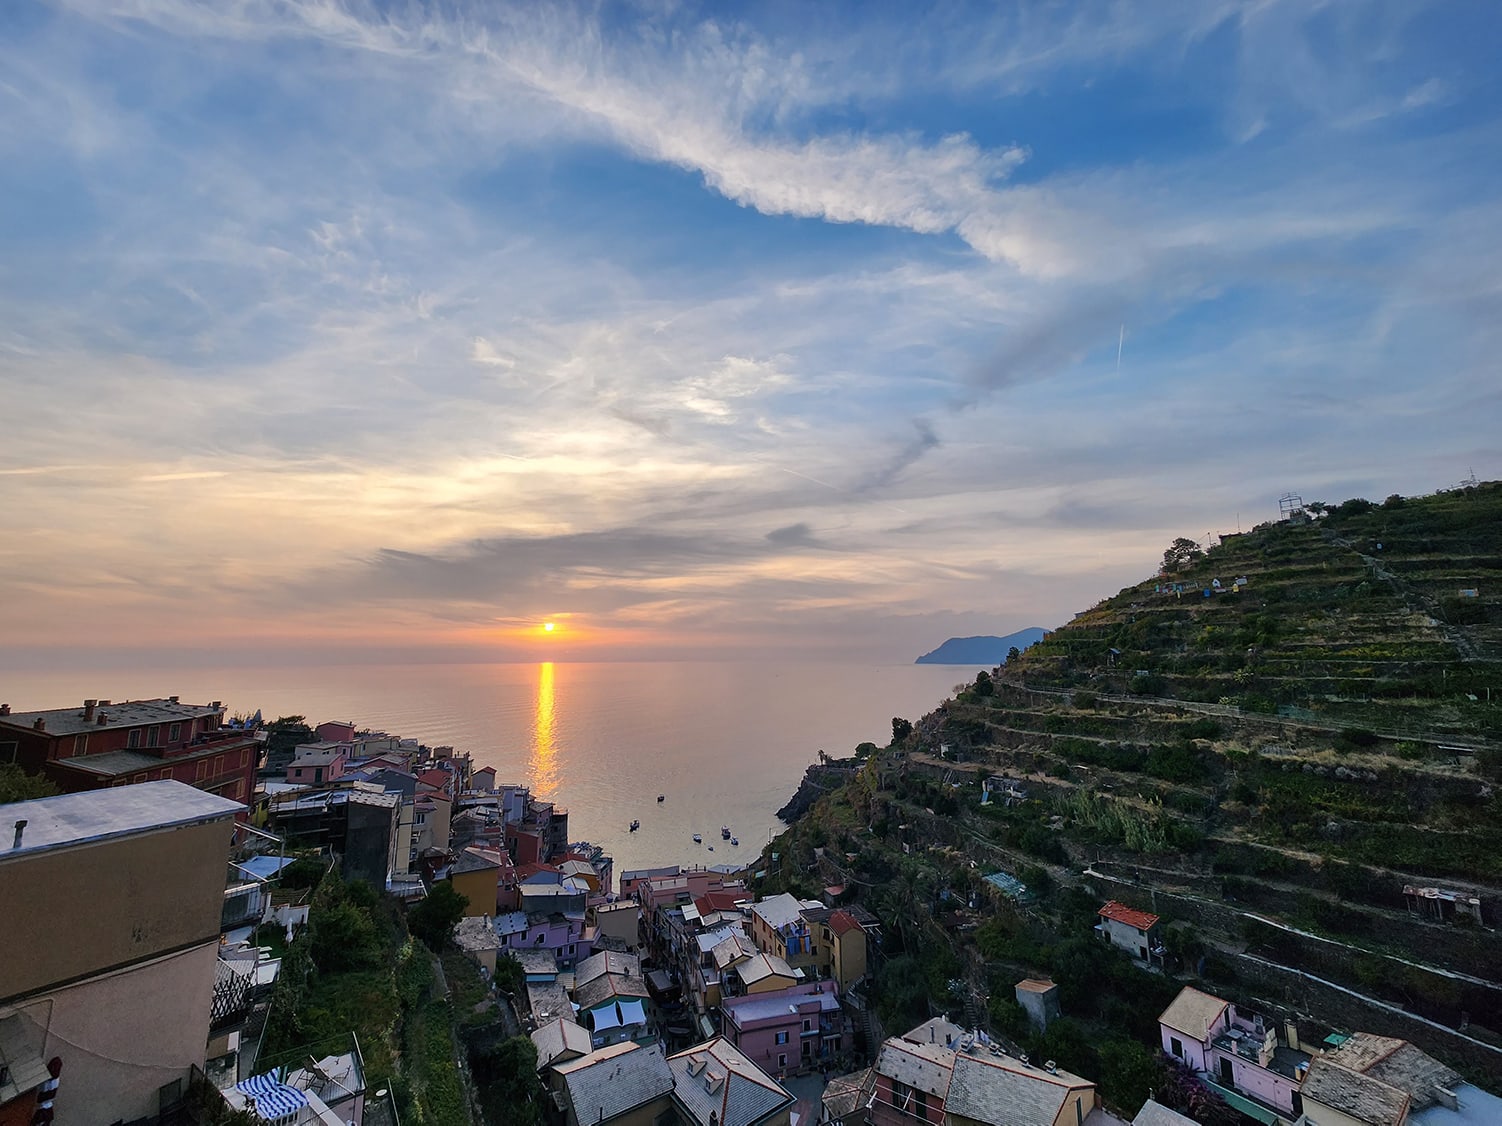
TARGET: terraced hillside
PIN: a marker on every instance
(1268, 768)
(1386, 616)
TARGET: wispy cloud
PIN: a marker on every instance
(483, 311)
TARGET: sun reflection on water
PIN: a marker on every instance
(544, 764)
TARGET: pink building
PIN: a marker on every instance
(1236, 1051)
(786, 1029)
(335, 732)
(317, 764)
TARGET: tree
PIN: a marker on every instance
(1129, 1072)
(1012, 654)
(507, 1071)
(983, 685)
(17, 785)
(901, 729)
(434, 919)
(1181, 554)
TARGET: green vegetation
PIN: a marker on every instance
(355, 968)
(433, 920)
(1301, 744)
(17, 785)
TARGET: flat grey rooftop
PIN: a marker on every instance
(125, 713)
(100, 815)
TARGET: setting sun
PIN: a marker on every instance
(548, 627)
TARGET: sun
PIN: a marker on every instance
(549, 627)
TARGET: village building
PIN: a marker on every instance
(715, 1084)
(475, 936)
(313, 764)
(975, 1084)
(1237, 1053)
(1137, 932)
(104, 744)
(122, 1007)
(475, 874)
(788, 1029)
(778, 927)
(623, 1084)
(1039, 1000)
(559, 1041)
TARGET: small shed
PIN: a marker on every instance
(1039, 998)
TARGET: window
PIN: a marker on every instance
(154, 736)
(806, 1026)
(80, 744)
(782, 1038)
(1176, 1046)
(133, 740)
(782, 1061)
(203, 770)
(8, 751)
(174, 732)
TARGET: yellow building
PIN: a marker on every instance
(111, 903)
(476, 875)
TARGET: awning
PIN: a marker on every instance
(1243, 1104)
(620, 1014)
(273, 1099)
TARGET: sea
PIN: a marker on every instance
(723, 743)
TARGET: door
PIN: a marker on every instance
(1225, 1072)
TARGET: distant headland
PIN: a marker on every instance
(981, 650)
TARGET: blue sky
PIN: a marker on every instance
(715, 328)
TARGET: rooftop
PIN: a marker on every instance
(474, 934)
(1397, 1063)
(1193, 1013)
(714, 1083)
(1002, 1089)
(1359, 1096)
(614, 1080)
(101, 815)
(606, 962)
(781, 1002)
(1156, 1114)
(779, 911)
(761, 966)
(126, 713)
(924, 1066)
(559, 1038)
(1121, 913)
(843, 1093)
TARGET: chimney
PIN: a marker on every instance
(1446, 1098)
(1291, 1034)
(217, 705)
(20, 828)
(39, 724)
(88, 710)
(172, 698)
(102, 718)
(4, 709)
(104, 703)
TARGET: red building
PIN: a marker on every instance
(104, 744)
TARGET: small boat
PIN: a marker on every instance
(735, 842)
(662, 797)
(711, 848)
(698, 839)
(635, 825)
(724, 832)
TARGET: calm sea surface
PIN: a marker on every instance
(726, 743)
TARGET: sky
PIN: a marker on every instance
(341, 330)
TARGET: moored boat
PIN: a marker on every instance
(724, 832)
(635, 825)
(698, 839)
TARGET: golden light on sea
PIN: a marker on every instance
(544, 764)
